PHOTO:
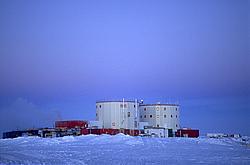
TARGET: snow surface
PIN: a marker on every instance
(123, 149)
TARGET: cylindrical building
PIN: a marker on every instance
(118, 114)
(161, 115)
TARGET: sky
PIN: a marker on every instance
(57, 58)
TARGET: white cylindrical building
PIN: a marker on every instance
(118, 114)
(161, 115)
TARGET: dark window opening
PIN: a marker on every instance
(165, 116)
(145, 116)
(100, 106)
(144, 109)
(128, 114)
(150, 116)
(171, 116)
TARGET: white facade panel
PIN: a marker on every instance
(161, 115)
(118, 114)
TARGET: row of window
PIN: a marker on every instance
(125, 106)
(121, 106)
(128, 114)
(144, 117)
(158, 109)
(150, 116)
(159, 125)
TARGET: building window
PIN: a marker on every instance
(165, 116)
(100, 106)
(96, 114)
(141, 116)
(171, 116)
(145, 116)
(157, 125)
(128, 114)
(176, 116)
(150, 116)
(144, 109)
(135, 124)
(176, 125)
(123, 105)
(176, 109)
(165, 108)
(134, 106)
(96, 106)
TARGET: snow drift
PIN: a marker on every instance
(123, 149)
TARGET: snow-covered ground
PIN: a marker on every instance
(122, 149)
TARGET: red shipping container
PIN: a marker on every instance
(71, 124)
(133, 132)
(136, 132)
(130, 132)
(84, 131)
(187, 133)
(94, 131)
(110, 131)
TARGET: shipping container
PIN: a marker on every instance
(71, 124)
(110, 131)
(84, 131)
(187, 133)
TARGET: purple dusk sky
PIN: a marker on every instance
(58, 57)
